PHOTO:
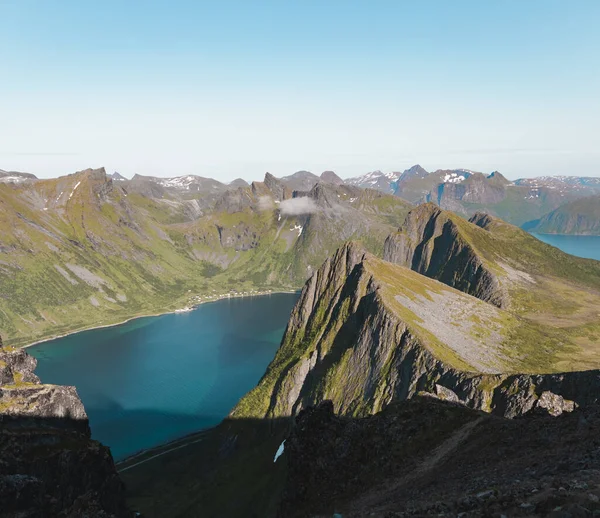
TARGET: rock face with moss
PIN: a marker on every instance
(430, 242)
(366, 332)
(49, 466)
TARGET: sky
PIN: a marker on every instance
(230, 89)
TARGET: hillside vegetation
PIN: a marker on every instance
(85, 249)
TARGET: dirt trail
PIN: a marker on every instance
(374, 502)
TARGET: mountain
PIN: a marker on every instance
(305, 180)
(580, 217)
(466, 192)
(377, 369)
(50, 465)
(84, 249)
(331, 177)
(300, 181)
(15, 177)
(118, 177)
(564, 184)
(384, 182)
(237, 183)
(366, 332)
(186, 186)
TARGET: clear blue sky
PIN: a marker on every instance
(237, 88)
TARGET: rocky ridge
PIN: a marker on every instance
(365, 333)
(49, 466)
(430, 243)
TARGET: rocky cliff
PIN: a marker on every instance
(430, 242)
(365, 333)
(49, 466)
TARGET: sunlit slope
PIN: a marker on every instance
(505, 266)
(366, 332)
(81, 250)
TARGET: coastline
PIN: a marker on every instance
(558, 234)
(185, 309)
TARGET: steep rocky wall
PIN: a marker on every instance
(345, 344)
(430, 243)
(49, 466)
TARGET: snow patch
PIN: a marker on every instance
(280, 451)
(12, 179)
(74, 188)
(453, 178)
(298, 228)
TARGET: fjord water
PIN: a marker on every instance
(581, 246)
(155, 379)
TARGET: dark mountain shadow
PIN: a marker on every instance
(51, 467)
(415, 454)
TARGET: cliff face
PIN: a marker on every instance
(430, 242)
(49, 466)
(365, 333)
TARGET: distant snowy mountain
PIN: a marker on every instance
(385, 182)
(15, 177)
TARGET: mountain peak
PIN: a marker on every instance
(415, 170)
(331, 177)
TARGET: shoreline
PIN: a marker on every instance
(557, 234)
(186, 309)
(150, 453)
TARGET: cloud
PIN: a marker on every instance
(297, 206)
(265, 203)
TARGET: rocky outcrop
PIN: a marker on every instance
(276, 187)
(49, 466)
(432, 243)
(348, 340)
(429, 458)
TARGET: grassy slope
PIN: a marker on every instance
(556, 291)
(513, 342)
(136, 255)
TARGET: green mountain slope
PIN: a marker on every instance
(84, 250)
(580, 217)
(366, 332)
(505, 265)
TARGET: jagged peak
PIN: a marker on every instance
(482, 220)
(425, 211)
(414, 170)
(270, 178)
(350, 253)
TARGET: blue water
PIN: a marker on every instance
(155, 379)
(582, 246)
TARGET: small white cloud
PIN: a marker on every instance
(265, 203)
(297, 206)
